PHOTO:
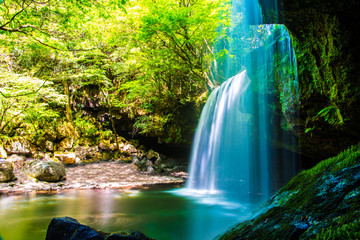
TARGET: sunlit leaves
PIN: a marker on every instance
(25, 98)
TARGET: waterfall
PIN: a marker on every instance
(244, 143)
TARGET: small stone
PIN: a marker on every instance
(66, 158)
(128, 149)
(67, 143)
(49, 146)
(104, 145)
(3, 153)
(38, 155)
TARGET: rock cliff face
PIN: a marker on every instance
(326, 40)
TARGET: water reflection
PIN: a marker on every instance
(159, 214)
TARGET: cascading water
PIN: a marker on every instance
(250, 116)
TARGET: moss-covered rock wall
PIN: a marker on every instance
(326, 40)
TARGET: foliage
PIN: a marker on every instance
(144, 59)
(345, 232)
(325, 72)
(173, 52)
(26, 101)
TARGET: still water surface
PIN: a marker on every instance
(159, 213)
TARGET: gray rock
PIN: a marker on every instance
(86, 153)
(6, 171)
(18, 146)
(45, 171)
(128, 149)
(16, 160)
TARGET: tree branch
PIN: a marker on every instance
(15, 15)
(24, 94)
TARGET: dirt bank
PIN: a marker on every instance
(101, 175)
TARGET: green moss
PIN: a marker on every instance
(348, 231)
(304, 183)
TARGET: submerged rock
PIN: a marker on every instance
(45, 171)
(6, 171)
(66, 228)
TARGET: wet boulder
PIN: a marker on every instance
(318, 203)
(6, 171)
(104, 145)
(45, 171)
(66, 228)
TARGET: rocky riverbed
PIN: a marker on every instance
(100, 175)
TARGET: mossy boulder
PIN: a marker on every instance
(314, 204)
(44, 170)
(6, 171)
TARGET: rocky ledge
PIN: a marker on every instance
(319, 203)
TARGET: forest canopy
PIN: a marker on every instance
(83, 62)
